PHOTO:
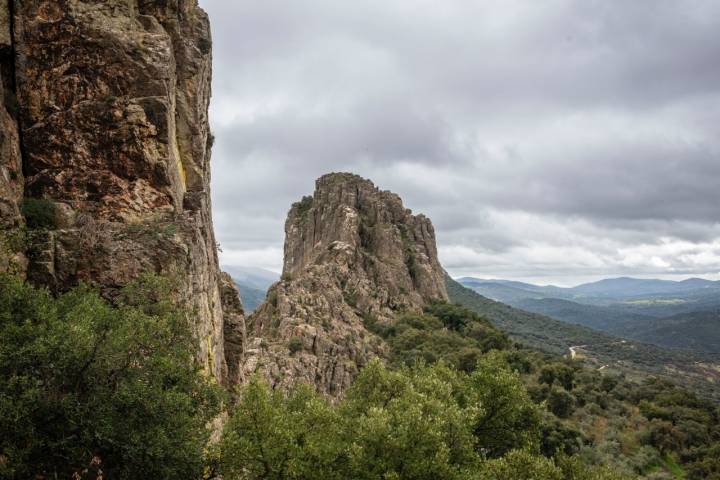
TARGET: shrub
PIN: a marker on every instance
(273, 436)
(83, 382)
(295, 344)
(560, 402)
(39, 213)
(304, 206)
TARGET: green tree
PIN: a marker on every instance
(508, 419)
(83, 382)
(519, 464)
(273, 436)
(560, 402)
(408, 424)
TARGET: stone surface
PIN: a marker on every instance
(234, 329)
(353, 254)
(11, 176)
(113, 110)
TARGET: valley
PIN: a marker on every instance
(684, 315)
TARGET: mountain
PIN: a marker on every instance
(253, 284)
(697, 330)
(538, 331)
(631, 308)
(252, 297)
(617, 289)
(608, 319)
(105, 155)
(252, 277)
(631, 287)
(697, 370)
(354, 257)
(472, 282)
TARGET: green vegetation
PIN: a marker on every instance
(39, 213)
(304, 206)
(295, 344)
(152, 228)
(692, 369)
(424, 423)
(459, 401)
(445, 332)
(87, 385)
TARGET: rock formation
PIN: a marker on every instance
(108, 121)
(12, 258)
(353, 255)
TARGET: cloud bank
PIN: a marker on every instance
(553, 142)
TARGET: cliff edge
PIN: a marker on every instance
(105, 133)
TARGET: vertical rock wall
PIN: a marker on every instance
(11, 175)
(113, 111)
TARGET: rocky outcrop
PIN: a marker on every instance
(354, 255)
(113, 103)
(12, 258)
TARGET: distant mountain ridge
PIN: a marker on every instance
(677, 314)
(619, 286)
(253, 284)
(698, 370)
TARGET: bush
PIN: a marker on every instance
(295, 344)
(304, 206)
(82, 383)
(560, 402)
(273, 436)
(39, 213)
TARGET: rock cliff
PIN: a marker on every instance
(105, 119)
(354, 255)
(11, 176)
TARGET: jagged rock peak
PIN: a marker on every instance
(373, 229)
(354, 255)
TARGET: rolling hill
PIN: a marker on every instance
(697, 370)
(665, 313)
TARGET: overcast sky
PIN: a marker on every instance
(555, 141)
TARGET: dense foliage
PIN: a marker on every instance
(39, 213)
(86, 386)
(459, 401)
(694, 370)
(424, 423)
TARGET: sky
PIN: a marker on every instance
(556, 142)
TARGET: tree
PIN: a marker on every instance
(519, 464)
(83, 382)
(408, 424)
(664, 436)
(508, 419)
(273, 436)
(560, 402)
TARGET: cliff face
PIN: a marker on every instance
(112, 124)
(12, 258)
(353, 255)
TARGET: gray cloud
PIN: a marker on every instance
(562, 139)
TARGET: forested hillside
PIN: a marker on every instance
(457, 400)
(699, 371)
(665, 313)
